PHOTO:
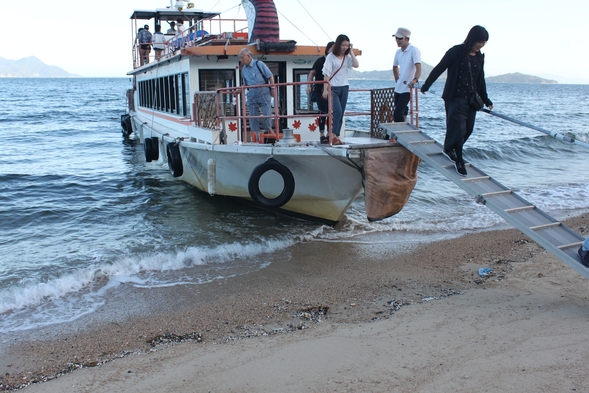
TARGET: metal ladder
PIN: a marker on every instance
(555, 237)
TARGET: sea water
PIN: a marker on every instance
(82, 213)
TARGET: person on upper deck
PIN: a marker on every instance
(316, 90)
(466, 75)
(408, 58)
(145, 38)
(172, 29)
(180, 33)
(335, 70)
(180, 26)
(159, 41)
(255, 72)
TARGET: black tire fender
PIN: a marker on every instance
(174, 159)
(126, 124)
(147, 147)
(254, 184)
(155, 148)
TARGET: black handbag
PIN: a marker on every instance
(314, 95)
(475, 100)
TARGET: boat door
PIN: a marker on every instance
(278, 69)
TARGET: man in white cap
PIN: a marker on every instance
(408, 59)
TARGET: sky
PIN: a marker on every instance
(541, 38)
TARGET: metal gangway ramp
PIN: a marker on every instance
(549, 233)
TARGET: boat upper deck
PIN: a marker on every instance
(208, 34)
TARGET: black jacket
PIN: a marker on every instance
(451, 62)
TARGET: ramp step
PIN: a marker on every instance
(476, 178)
(533, 222)
(570, 245)
(423, 142)
(545, 226)
(520, 209)
(407, 131)
(496, 193)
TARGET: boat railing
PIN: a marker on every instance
(203, 32)
(212, 108)
(278, 114)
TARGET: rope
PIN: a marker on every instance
(533, 127)
(552, 134)
(295, 26)
(327, 35)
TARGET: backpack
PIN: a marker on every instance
(145, 37)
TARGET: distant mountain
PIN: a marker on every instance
(31, 67)
(388, 74)
(516, 77)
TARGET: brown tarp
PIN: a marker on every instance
(390, 175)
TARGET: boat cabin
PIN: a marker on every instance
(201, 65)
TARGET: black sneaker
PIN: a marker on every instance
(584, 257)
(451, 154)
(460, 168)
(324, 140)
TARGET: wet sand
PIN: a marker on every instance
(335, 317)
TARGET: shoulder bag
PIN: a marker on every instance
(474, 100)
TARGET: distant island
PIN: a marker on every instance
(515, 77)
(31, 67)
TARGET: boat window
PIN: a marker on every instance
(185, 91)
(167, 94)
(181, 108)
(211, 80)
(302, 100)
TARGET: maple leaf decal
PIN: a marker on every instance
(296, 124)
(312, 127)
(232, 127)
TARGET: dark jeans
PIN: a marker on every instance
(322, 107)
(340, 100)
(460, 119)
(401, 109)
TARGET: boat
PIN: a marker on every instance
(184, 110)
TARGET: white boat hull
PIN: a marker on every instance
(324, 186)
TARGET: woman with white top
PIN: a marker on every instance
(336, 67)
(159, 42)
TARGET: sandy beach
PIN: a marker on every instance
(334, 317)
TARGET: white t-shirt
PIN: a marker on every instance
(406, 60)
(159, 40)
(332, 64)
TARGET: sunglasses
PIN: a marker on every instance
(400, 38)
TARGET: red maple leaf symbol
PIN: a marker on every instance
(312, 127)
(317, 120)
(232, 127)
(296, 124)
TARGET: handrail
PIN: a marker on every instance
(218, 115)
(170, 46)
(276, 116)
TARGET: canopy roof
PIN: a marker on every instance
(173, 14)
